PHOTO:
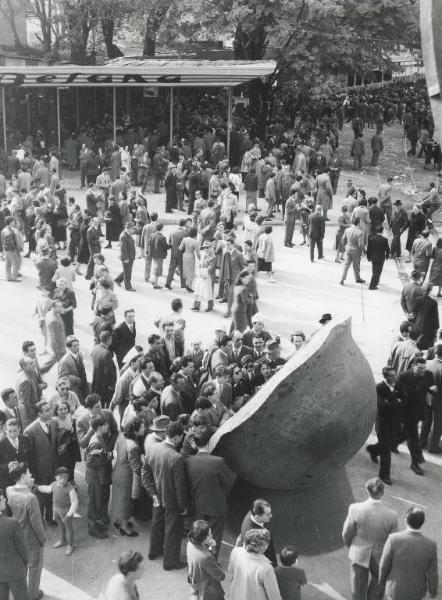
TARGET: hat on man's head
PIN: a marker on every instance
(271, 345)
(325, 318)
(245, 360)
(160, 423)
(398, 203)
(257, 318)
(129, 356)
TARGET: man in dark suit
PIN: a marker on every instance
(210, 481)
(43, 441)
(13, 556)
(164, 478)
(259, 517)
(232, 263)
(427, 318)
(98, 459)
(239, 350)
(124, 336)
(12, 409)
(158, 247)
(176, 257)
(72, 367)
(188, 391)
(157, 355)
(93, 240)
(13, 447)
(127, 256)
(377, 253)
(316, 232)
(84, 429)
(30, 351)
(171, 343)
(171, 400)
(408, 567)
(104, 374)
(27, 390)
(414, 386)
(388, 423)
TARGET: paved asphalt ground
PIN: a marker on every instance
(302, 293)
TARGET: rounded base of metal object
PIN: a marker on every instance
(310, 518)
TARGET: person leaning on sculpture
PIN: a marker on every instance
(365, 532)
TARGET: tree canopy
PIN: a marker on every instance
(311, 40)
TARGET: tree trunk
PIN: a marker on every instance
(107, 27)
(251, 46)
(150, 39)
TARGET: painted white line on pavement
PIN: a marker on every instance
(60, 588)
(328, 590)
(407, 501)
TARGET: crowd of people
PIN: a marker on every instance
(142, 419)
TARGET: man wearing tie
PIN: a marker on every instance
(29, 350)
(42, 436)
(27, 390)
(124, 335)
(12, 410)
(13, 447)
(72, 367)
(239, 350)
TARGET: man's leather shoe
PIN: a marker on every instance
(360, 280)
(169, 287)
(435, 451)
(373, 456)
(341, 282)
(416, 469)
(153, 556)
(386, 480)
(373, 288)
(176, 566)
(52, 522)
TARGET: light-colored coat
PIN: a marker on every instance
(366, 528)
(252, 576)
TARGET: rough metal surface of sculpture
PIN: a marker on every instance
(290, 443)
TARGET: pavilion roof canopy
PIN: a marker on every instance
(123, 72)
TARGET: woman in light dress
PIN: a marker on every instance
(191, 251)
(126, 159)
(126, 476)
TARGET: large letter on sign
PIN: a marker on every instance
(16, 78)
(136, 78)
(100, 78)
